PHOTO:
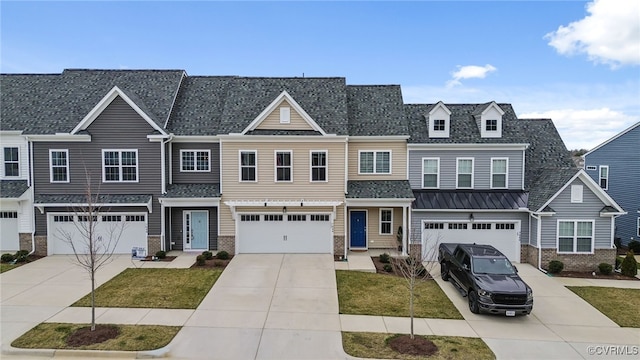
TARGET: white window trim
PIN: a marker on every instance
(326, 166)
(120, 166)
(575, 236)
(255, 166)
(577, 194)
(600, 176)
(66, 151)
(375, 157)
(195, 160)
(285, 115)
(592, 167)
(275, 166)
(458, 173)
(506, 173)
(638, 233)
(380, 221)
(437, 173)
(4, 162)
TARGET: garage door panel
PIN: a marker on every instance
(504, 236)
(9, 238)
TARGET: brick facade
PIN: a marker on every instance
(529, 254)
(415, 248)
(41, 245)
(338, 245)
(227, 243)
(25, 241)
(153, 241)
(579, 262)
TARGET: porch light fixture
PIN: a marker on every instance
(284, 209)
(471, 217)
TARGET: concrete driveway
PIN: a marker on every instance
(561, 325)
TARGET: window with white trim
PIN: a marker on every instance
(604, 176)
(11, 162)
(576, 193)
(283, 166)
(575, 236)
(195, 160)
(499, 169)
(491, 125)
(318, 166)
(592, 167)
(59, 165)
(464, 173)
(62, 218)
(374, 162)
(386, 221)
(285, 115)
(8, 214)
(430, 173)
(248, 165)
(638, 227)
(250, 217)
(439, 125)
(120, 165)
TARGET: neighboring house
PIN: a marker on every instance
(294, 165)
(615, 166)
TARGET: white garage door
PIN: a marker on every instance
(9, 240)
(133, 227)
(284, 233)
(502, 235)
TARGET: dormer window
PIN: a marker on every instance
(438, 125)
(439, 121)
(490, 123)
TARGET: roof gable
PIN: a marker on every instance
(276, 104)
(102, 105)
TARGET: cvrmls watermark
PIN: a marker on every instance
(614, 350)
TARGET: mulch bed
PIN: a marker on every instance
(380, 266)
(84, 336)
(416, 346)
(213, 264)
(590, 275)
(151, 258)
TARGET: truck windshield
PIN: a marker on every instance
(492, 265)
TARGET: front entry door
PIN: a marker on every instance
(358, 225)
(196, 230)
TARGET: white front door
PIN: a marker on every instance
(196, 229)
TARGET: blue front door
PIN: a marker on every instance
(358, 225)
(197, 226)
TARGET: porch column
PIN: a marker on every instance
(406, 230)
(162, 227)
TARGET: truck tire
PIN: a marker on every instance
(474, 307)
(444, 271)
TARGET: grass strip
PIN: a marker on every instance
(619, 305)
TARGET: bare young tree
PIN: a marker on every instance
(415, 268)
(92, 247)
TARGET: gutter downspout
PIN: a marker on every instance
(30, 183)
(163, 189)
(539, 240)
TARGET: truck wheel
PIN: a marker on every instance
(444, 271)
(473, 302)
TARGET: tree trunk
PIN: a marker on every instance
(93, 300)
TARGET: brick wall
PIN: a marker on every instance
(25, 241)
(338, 245)
(41, 245)
(227, 243)
(415, 248)
(529, 254)
(153, 241)
(579, 262)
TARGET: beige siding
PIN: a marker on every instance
(374, 238)
(398, 160)
(272, 121)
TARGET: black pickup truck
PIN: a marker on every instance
(486, 277)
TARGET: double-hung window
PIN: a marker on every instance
(120, 165)
(248, 165)
(375, 162)
(430, 173)
(386, 221)
(195, 160)
(59, 165)
(499, 173)
(604, 176)
(11, 162)
(318, 166)
(464, 173)
(575, 236)
(283, 166)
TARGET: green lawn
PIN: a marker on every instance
(131, 338)
(373, 345)
(155, 288)
(7, 267)
(361, 293)
(619, 305)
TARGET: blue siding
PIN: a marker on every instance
(622, 155)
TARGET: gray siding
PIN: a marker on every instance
(175, 230)
(622, 155)
(589, 209)
(211, 176)
(118, 127)
(533, 239)
(481, 164)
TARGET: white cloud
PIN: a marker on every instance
(609, 35)
(585, 128)
(469, 72)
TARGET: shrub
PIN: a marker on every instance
(7, 258)
(200, 259)
(161, 254)
(555, 266)
(629, 265)
(222, 255)
(21, 255)
(619, 261)
(385, 258)
(388, 267)
(634, 245)
(605, 269)
(207, 255)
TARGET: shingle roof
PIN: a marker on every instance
(63, 199)
(376, 110)
(193, 191)
(470, 199)
(12, 188)
(546, 183)
(379, 189)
